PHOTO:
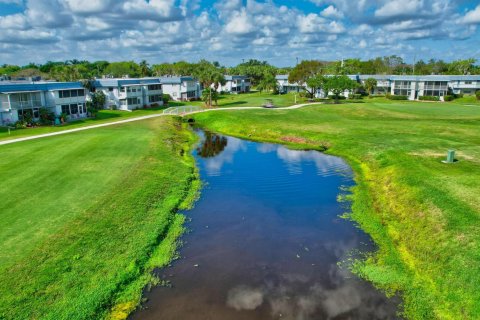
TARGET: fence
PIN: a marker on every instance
(181, 110)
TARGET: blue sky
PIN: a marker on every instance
(231, 30)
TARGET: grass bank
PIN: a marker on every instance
(423, 214)
(87, 216)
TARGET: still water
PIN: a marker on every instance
(265, 241)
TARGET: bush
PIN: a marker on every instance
(477, 94)
(394, 97)
(20, 124)
(458, 95)
(166, 98)
(331, 96)
(429, 98)
(448, 98)
(355, 96)
(113, 107)
(154, 105)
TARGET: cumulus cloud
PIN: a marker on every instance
(168, 30)
(472, 16)
(332, 12)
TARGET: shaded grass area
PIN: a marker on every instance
(87, 216)
(423, 214)
(102, 117)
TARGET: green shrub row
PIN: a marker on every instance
(394, 97)
(429, 98)
(448, 98)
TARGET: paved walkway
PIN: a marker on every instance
(142, 118)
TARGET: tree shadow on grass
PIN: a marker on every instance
(233, 103)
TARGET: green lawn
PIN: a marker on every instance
(255, 99)
(102, 117)
(252, 99)
(86, 216)
(423, 214)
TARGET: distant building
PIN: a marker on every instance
(183, 88)
(411, 86)
(284, 86)
(130, 94)
(23, 98)
(235, 84)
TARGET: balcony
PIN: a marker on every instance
(21, 104)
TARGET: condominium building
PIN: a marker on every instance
(130, 94)
(284, 86)
(235, 84)
(181, 88)
(24, 99)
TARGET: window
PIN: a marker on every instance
(468, 82)
(66, 109)
(36, 113)
(155, 87)
(122, 89)
(74, 108)
(132, 101)
(71, 93)
(154, 98)
(110, 89)
(123, 102)
(174, 94)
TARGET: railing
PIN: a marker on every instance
(22, 104)
(181, 110)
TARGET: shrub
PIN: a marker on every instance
(166, 98)
(376, 96)
(448, 98)
(20, 124)
(355, 96)
(154, 105)
(331, 96)
(394, 97)
(477, 94)
(113, 107)
(458, 95)
(429, 98)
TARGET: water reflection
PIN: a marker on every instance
(211, 145)
(266, 238)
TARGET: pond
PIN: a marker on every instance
(266, 239)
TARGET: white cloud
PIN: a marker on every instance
(472, 16)
(240, 23)
(332, 12)
(398, 7)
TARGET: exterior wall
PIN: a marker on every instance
(173, 90)
(467, 87)
(128, 97)
(237, 84)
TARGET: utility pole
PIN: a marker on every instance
(297, 60)
(414, 63)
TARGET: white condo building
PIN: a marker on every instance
(25, 98)
(183, 88)
(130, 94)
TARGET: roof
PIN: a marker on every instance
(119, 82)
(13, 87)
(175, 80)
(232, 77)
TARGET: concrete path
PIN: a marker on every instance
(3, 142)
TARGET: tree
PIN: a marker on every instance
(97, 103)
(305, 70)
(370, 85)
(268, 83)
(338, 85)
(209, 75)
(123, 68)
(144, 68)
(315, 84)
(461, 66)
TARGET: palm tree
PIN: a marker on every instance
(144, 68)
(370, 85)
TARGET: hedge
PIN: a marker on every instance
(429, 98)
(448, 98)
(394, 97)
(354, 96)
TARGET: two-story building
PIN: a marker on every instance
(183, 88)
(284, 86)
(24, 99)
(235, 84)
(130, 94)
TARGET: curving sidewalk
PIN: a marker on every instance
(44, 135)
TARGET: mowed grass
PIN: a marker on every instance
(423, 214)
(251, 99)
(103, 116)
(87, 216)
